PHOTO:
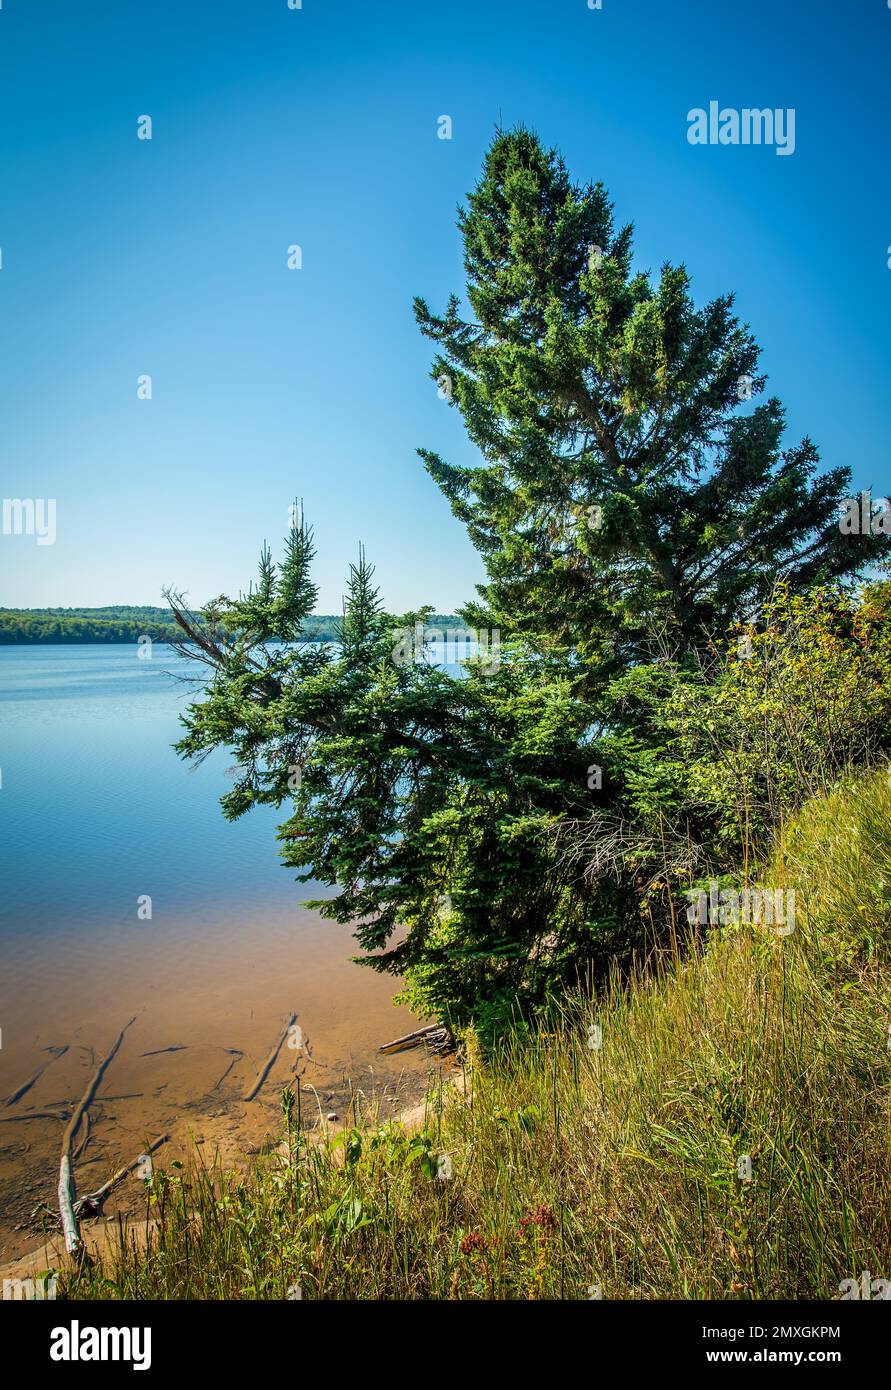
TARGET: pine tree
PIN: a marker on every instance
(296, 593)
(627, 490)
(361, 622)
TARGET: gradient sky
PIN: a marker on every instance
(318, 126)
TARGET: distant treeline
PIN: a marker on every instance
(125, 623)
(117, 623)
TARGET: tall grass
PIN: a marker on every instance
(616, 1170)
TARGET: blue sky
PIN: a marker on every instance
(318, 126)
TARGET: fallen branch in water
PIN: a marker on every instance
(65, 1193)
(25, 1087)
(435, 1036)
(85, 1139)
(34, 1115)
(73, 1242)
(270, 1060)
(236, 1054)
(91, 1203)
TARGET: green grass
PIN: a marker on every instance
(576, 1168)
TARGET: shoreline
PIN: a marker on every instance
(128, 1205)
(204, 1018)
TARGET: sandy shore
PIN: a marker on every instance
(203, 1027)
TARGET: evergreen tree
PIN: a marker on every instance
(627, 489)
(512, 824)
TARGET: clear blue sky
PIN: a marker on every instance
(318, 126)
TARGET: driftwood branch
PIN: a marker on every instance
(91, 1202)
(70, 1230)
(270, 1060)
(236, 1054)
(435, 1036)
(25, 1087)
(84, 1141)
(34, 1115)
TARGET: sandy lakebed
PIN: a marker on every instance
(204, 1023)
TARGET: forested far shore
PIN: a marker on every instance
(127, 623)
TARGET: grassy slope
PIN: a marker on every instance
(575, 1169)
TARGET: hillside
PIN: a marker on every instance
(715, 1128)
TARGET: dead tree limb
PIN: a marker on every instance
(91, 1202)
(85, 1139)
(270, 1060)
(34, 1115)
(236, 1054)
(25, 1087)
(73, 1242)
(434, 1035)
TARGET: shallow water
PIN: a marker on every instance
(97, 813)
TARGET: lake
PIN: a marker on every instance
(98, 814)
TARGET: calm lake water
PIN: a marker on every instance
(96, 811)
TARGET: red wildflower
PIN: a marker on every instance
(541, 1216)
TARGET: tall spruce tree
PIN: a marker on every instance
(627, 488)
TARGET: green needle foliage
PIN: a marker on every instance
(585, 386)
(426, 800)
